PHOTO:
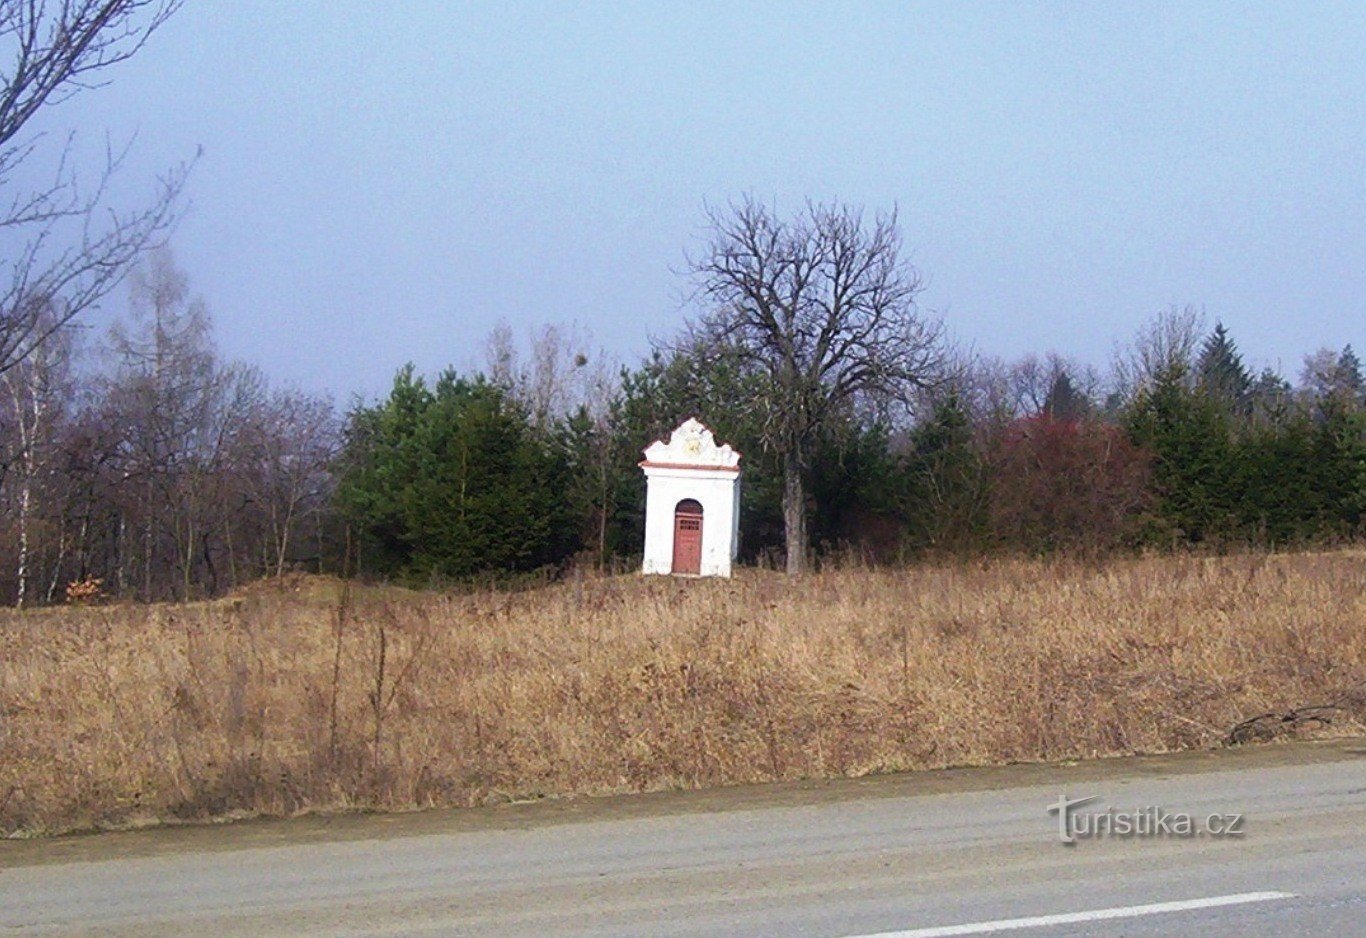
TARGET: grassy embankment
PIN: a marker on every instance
(294, 697)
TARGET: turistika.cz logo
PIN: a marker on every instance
(1145, 822)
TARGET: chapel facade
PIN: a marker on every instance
(692, 503)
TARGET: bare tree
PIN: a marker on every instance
(65, 247)
(1165, 346)
(290, 442)
(33, 396)
(823, 307)
(1043, 384)
(1331, 382)
(560, 373)
(165, 397)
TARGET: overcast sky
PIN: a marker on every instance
(385, 182)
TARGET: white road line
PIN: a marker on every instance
(1072, 918)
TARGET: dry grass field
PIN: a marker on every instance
(303, 695)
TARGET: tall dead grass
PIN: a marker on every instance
(298, 696)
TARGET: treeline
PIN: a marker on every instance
(1178, 445)
(145, 466)
(140, 464)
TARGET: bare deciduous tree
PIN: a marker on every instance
(290, 443)
(821, 305)
(206, 477)
(1037, 383)
(1165, 346)
(33, 396)
(560, 372)
(64, 247)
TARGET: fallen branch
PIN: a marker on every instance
(1268, 726)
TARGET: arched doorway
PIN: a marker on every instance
(688, 537)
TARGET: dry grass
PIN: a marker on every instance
(289, 698)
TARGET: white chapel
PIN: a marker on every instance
(692, 503)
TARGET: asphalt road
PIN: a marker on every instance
(960, 852)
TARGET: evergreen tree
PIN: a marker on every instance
(1281, 500)
(1271, 399)
(1220, 370)
(945, 487)
(452, 482)
(1064, 401)
(853, 487)
(1349, 376)
(1339, 464)
(1188, 434)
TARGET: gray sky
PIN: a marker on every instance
(384, 182)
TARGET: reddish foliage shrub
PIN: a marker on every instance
(1068, 484)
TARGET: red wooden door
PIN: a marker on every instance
(688, 537)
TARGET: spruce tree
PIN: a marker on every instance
(1064, 401)
(945, 488)
(1220, 370)
(1349, 376)
(1271, 399)
(1187, 433)
(452, 482)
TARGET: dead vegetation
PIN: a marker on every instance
(307, 695)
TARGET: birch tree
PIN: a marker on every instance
(34, 395)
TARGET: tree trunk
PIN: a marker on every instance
(61, 559)
(24, 511)
(282, 538)
(794, 511)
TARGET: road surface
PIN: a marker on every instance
(970, 851)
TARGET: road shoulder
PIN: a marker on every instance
(314, 829)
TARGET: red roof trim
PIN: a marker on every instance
(645, 463)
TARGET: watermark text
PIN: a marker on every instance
(1151, 821)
